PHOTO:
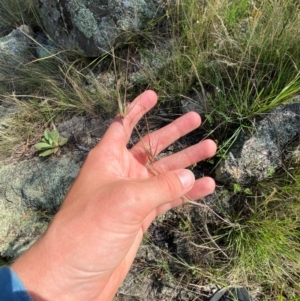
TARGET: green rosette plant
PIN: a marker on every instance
(50, 143)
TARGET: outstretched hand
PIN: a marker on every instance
(91, 243)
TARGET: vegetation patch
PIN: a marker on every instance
(243, 59)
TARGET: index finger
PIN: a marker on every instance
(121, 128)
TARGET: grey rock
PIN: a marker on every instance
(44, 46)
(30, 193)
(255, 156)
(84, 131)
(94, 27)
(149, 62)
(16, 49)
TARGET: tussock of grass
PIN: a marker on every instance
(256, 245)
(18, 126)
(14, 13)
(243, 57)
(265, 248)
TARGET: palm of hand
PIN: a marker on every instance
(114, 199)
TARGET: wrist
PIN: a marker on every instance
(33, 271)
(47, 276)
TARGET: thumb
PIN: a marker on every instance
(166, 187)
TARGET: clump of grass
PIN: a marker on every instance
(264, 248)
(14, 13)
(237, 48)
(49, 90)
(18, 126)
(256, 244)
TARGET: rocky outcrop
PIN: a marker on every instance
(255, 156)
(149, 61)
(15, 49)
(30, 193)
(94, 27)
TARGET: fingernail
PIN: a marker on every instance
(186, 177)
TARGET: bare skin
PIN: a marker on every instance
(92, 241)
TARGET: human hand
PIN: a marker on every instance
(92, 241)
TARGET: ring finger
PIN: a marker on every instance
(191, 155)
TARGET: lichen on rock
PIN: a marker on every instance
(256, 155)
(83, 18)
(94, 27)
(31, 192)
